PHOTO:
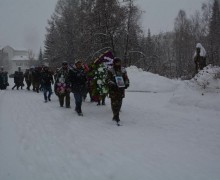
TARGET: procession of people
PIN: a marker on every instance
(99, 80)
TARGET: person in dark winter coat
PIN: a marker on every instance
(28, 78)
(78, 80)
(3, 79)
(18, 79)
(55, 76)
(118, 81)
(46, 81)
(62, 85)
(36, 79)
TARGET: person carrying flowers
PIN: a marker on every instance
(62, 85)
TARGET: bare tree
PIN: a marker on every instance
(31, 57)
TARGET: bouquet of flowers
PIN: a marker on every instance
(62, 88)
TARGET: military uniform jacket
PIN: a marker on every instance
(114, 90)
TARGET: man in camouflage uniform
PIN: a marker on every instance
(116, 88)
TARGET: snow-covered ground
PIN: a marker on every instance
(171, 131)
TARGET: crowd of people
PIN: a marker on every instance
(96, 80)
(99, 80)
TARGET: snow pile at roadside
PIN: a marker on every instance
(200, 92)
(207, 79)
(148, 82)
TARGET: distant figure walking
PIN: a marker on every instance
(18, 79)
(3, 78)
(199, 57)
(28, 78)
(46, 81)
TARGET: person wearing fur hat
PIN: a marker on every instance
(199, 57)
(78, 80)
(118, 81)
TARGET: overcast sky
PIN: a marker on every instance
(23, 22)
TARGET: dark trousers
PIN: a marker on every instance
(65, 96)
(101, 101)
(116, 104)
(47, 89)
(36, 86)
(78, 101)
(17, 85)
(28, 84)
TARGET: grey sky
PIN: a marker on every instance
(23, 22)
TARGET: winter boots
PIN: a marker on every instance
(116, 118)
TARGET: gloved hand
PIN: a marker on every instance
(111, 83)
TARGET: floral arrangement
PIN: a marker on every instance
(62, 88)
(98, 76)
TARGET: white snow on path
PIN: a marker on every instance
(169, 135)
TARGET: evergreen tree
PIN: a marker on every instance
(51, 53)
(150, 51)
(80, 28)
(40, 57)
(214, 35)
(183, 45)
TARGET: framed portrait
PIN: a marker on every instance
(120, 81)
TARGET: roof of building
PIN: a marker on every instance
(16, 48)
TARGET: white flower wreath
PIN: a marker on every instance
(100, 69)
(99, 81)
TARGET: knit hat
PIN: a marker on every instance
(116, 59)
(64, 63)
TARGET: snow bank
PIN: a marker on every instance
(189, 98)
(199, 92)
(208, 79)
(148, 82)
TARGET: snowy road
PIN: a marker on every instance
(165, 136)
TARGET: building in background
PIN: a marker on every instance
(4, 60)
(18, 58)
